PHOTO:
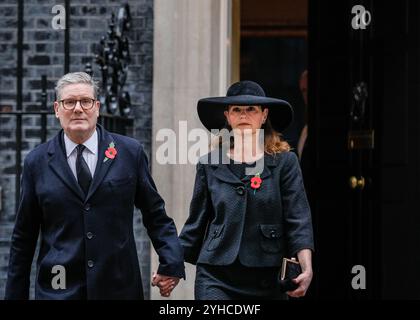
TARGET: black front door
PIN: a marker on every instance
(361, 162)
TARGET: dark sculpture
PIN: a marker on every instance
(113, 57)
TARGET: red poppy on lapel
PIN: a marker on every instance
(111, 152)
(256, 182)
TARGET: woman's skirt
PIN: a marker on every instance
(237, 282)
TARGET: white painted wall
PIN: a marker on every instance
(192, 49)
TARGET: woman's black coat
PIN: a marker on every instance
(228, 219)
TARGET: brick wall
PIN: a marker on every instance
(44, 54)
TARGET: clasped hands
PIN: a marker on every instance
(165, 284)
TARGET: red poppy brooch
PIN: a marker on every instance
(111, 152)
(256, 182)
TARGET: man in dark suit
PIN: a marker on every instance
(79, 189)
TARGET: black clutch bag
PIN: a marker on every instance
(290, 269)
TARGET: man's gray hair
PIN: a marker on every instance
(75, 77)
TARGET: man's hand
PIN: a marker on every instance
(165, 283)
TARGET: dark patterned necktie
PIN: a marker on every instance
(84, 176)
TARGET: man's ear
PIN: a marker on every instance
(56, 109)
(98, 107)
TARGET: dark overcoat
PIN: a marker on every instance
(90, 236)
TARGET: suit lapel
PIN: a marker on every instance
(221, 168)
(268, 162)
(223, 173)
(102, 168)
(59, 165)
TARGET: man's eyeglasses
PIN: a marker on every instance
(85, 103)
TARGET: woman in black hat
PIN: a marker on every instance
(249, 209)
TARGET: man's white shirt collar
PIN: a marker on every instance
(91, 144)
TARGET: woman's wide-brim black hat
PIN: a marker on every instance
(244, 93)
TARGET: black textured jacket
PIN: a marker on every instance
(228, 218)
